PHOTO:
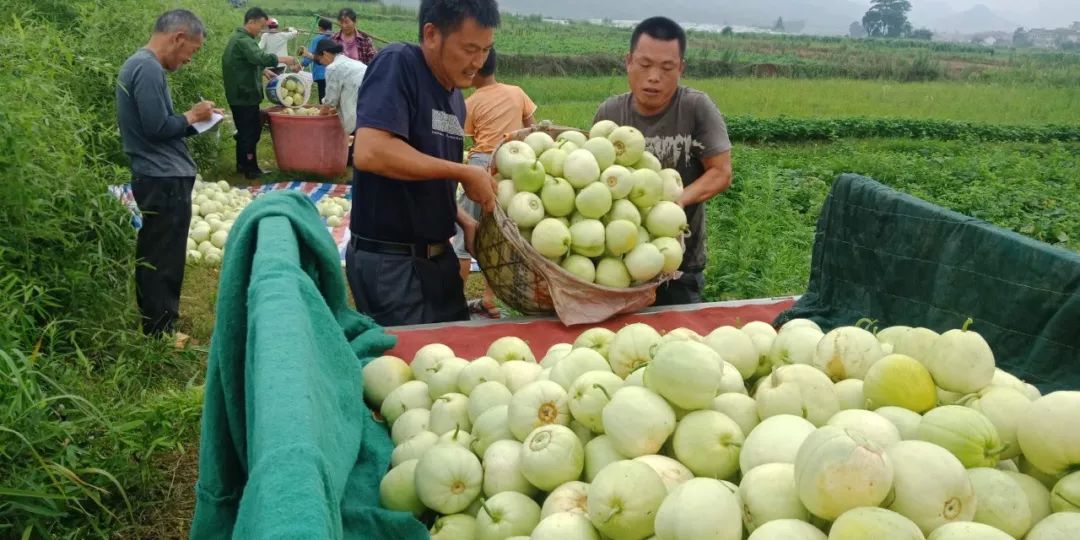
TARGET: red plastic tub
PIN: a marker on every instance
(309, 144)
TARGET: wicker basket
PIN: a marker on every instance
(534, 285)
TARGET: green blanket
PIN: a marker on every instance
(289, 449)
(892, 257)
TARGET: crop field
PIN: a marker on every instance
(99, 425)
(561, 47)
(573, 100)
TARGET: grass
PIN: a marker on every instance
(761, 231)
(99, 425)
(573, 100)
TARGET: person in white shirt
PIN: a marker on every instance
(275, 41)
(343, 78)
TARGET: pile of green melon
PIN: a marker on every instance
(748, 432)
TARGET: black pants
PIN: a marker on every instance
(685, 290)
(398, 289)
(161, 248)
(248, 120)
(322, 89)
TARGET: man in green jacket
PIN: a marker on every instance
(242, 67)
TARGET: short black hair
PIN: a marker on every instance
(448, 15)
(180, 20)
(328, 45)
(255, 14)
(325, 24)
(346, 13)
(488, 69)
(661, 28)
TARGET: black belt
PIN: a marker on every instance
(420, 250)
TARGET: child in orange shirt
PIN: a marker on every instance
(493, 110)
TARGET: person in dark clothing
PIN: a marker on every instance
(163, 172)
(407, 165)
(242, 66)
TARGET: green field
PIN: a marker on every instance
(801, 56)
(573, 100)
(99, 425)
(761, 230)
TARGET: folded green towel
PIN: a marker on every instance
(289, 449)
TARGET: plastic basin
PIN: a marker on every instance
(309, 144)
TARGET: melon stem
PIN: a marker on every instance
(967, 399)
(611, 514)
(998, 451)
(603, 390)
(1072, 503)
(967, 324)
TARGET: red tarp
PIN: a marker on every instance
(470, 339)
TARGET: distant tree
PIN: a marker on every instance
(887, 18)
(727, 31)
(779, 25)
(922, 33)
(856, 30)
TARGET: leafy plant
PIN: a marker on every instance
(88, 403)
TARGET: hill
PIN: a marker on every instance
(977, 19)
(824, 17)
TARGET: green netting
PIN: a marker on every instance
(892, 257)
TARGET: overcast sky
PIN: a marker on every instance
(1041, 12)
(1043, 9)
(821, 16)
(960, 5)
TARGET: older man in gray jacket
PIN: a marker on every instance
(163, 172)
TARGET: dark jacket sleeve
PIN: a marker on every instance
(150, 94)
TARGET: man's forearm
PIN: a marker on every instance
(464, 219)
(707, 186)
